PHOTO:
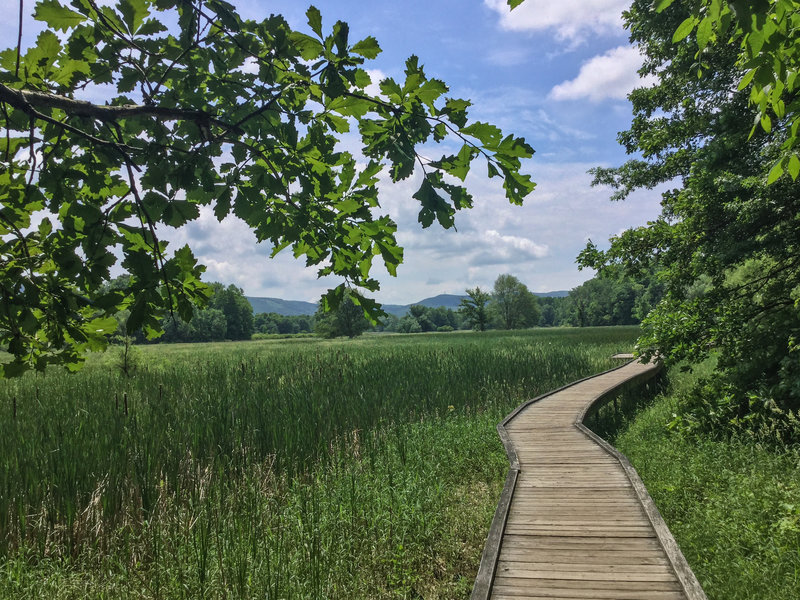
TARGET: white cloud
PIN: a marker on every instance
(501, 249)
(571, 20)
(231, 254)
(373, 89)
(250, 66)
(610, 75)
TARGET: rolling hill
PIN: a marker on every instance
(299, 307)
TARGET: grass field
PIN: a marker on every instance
(732, 504)
(270, 469)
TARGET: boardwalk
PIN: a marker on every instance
(575, 520)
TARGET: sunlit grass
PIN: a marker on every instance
(732, 504)
(292, 468)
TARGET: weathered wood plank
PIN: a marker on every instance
(599, 544)
(592, 584)
(583, 556)
(525, 571)
(503, 592)
(584, 570)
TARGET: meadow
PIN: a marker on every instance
(731, 501)
(273, 468)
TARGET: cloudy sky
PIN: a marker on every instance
(556, 73)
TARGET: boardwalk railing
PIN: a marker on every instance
(690, 588)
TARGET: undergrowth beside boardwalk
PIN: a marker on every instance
(732, 504)
(301, 469)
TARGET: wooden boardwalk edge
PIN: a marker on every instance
(489, 560)
(686, 576)
(491, 551)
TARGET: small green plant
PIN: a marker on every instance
(126, 357)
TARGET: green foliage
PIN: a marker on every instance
(347, 319)
(227, 316)
(204, 108)
(424, 319)
(731, 502)
(475, 308)
(725, 246)
(409, 324)
(710, 408)
(768, 57)
(612, 298)
(127, 358)
(513, 304)
(273, 323)
(206, 325)
(237, 310)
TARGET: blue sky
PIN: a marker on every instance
(555, 72)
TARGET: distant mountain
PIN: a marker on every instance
(558, 294)
(298, 307)
(282, 307)
(452, 301)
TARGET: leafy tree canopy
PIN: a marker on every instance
(238, 115)
(475, 308)
(726, 245)
(236, 308)
(766, 34)
(513, 303)
(611, 298)
(347, 319)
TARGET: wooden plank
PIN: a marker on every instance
(503, 592)
(558, 517)
(525, 571)
(586, 533)
(593, 584)
(583, 556)
(581, 595)
(607, 510)
(566, 542)
(589, 570)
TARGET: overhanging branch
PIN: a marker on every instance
(25, 99)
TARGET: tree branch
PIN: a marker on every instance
(25, 99)
(19, 37)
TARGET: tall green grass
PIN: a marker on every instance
(732, 504)
(299, 468)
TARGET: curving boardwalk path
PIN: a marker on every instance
(574, 520)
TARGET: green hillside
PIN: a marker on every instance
(299, 307)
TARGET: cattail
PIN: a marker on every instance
(160, 392)
(15, 408)
(125, 402)
(116, 401)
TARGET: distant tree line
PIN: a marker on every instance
(227, 316)
(609, 299)
(277, 324)
(604, 300)
(423, 319)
